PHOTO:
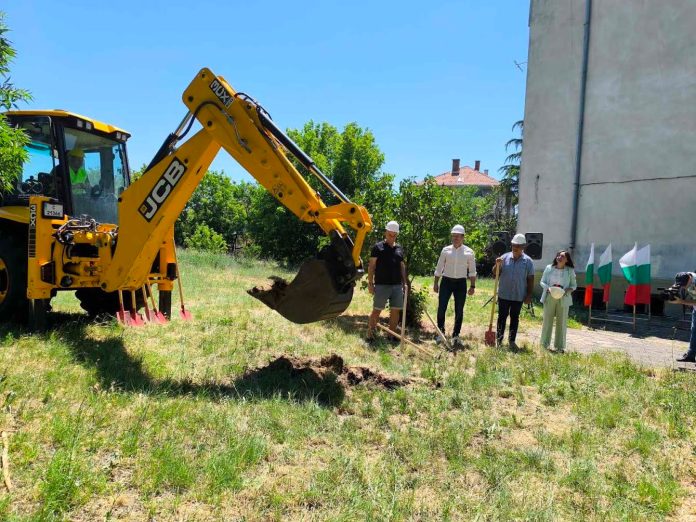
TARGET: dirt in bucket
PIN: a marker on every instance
(270, 294)
(325, 379)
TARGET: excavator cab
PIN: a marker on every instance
(81, 167)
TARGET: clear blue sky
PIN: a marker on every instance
(433, 80)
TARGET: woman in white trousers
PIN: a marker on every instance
(558, 282)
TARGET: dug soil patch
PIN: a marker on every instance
(325, 379)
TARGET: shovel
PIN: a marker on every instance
(122, 316)
(490, 336)
(135, 317)
(157, 316)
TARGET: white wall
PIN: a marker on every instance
(640, 124)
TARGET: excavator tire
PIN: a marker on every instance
(96, 301)
(14, 304)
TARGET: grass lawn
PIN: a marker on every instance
(162, 423)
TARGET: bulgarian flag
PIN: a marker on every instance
(604, 272)
(589, 277)
(636, 268)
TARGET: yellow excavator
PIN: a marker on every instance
(75, 222)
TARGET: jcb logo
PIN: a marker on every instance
(220, 91)
(31, 243)
(160, 192)
(32, 216)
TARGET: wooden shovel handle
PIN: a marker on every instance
(495, 294)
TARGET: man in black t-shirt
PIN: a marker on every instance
(386, 279)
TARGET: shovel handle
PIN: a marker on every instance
(178, 280)
(403, 318)
(152, 297)
(495, 294)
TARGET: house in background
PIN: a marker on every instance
(609, 126)
(485, 185)
(467, 177)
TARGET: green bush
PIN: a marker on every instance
(416, 304)
(222, 205)
(204, 238)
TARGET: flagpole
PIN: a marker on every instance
(589, 319)
(634, 318)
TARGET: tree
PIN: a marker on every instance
(424, 213)
(510, 184)
(350, 158)
(218, 203)
(377, 195)
(12, 141)
(204, 238)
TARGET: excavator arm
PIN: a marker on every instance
(234, 122)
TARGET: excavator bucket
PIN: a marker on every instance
(322, 289)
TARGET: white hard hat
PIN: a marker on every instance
(519, 239)
(392, 226)
(556, 292)
(457, 229)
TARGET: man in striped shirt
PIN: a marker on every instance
(457, 263)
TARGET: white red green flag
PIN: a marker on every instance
(589, 277)
(604, 272)
(636, 268)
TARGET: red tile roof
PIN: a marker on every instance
(467, 176)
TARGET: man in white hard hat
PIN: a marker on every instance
(386, 279)
(457, 262)
(514, 287)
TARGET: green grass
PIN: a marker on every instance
(162, 423)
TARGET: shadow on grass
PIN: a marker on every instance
(119, 370)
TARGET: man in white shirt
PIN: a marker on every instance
(457, 263)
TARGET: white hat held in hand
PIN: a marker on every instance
(457, 229)
(519, 239)
(392, 226)
(556, 292)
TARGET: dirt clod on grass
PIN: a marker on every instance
(325, 379)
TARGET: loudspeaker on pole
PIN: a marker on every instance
(535, 243)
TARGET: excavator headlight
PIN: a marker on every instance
(119, 136)
(83, 124)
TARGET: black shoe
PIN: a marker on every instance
(514, 346)
(687, 358)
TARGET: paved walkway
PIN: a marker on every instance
(651, 346)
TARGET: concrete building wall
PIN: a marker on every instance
(638, 176)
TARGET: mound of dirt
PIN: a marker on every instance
(330, 367)
(325, 379)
